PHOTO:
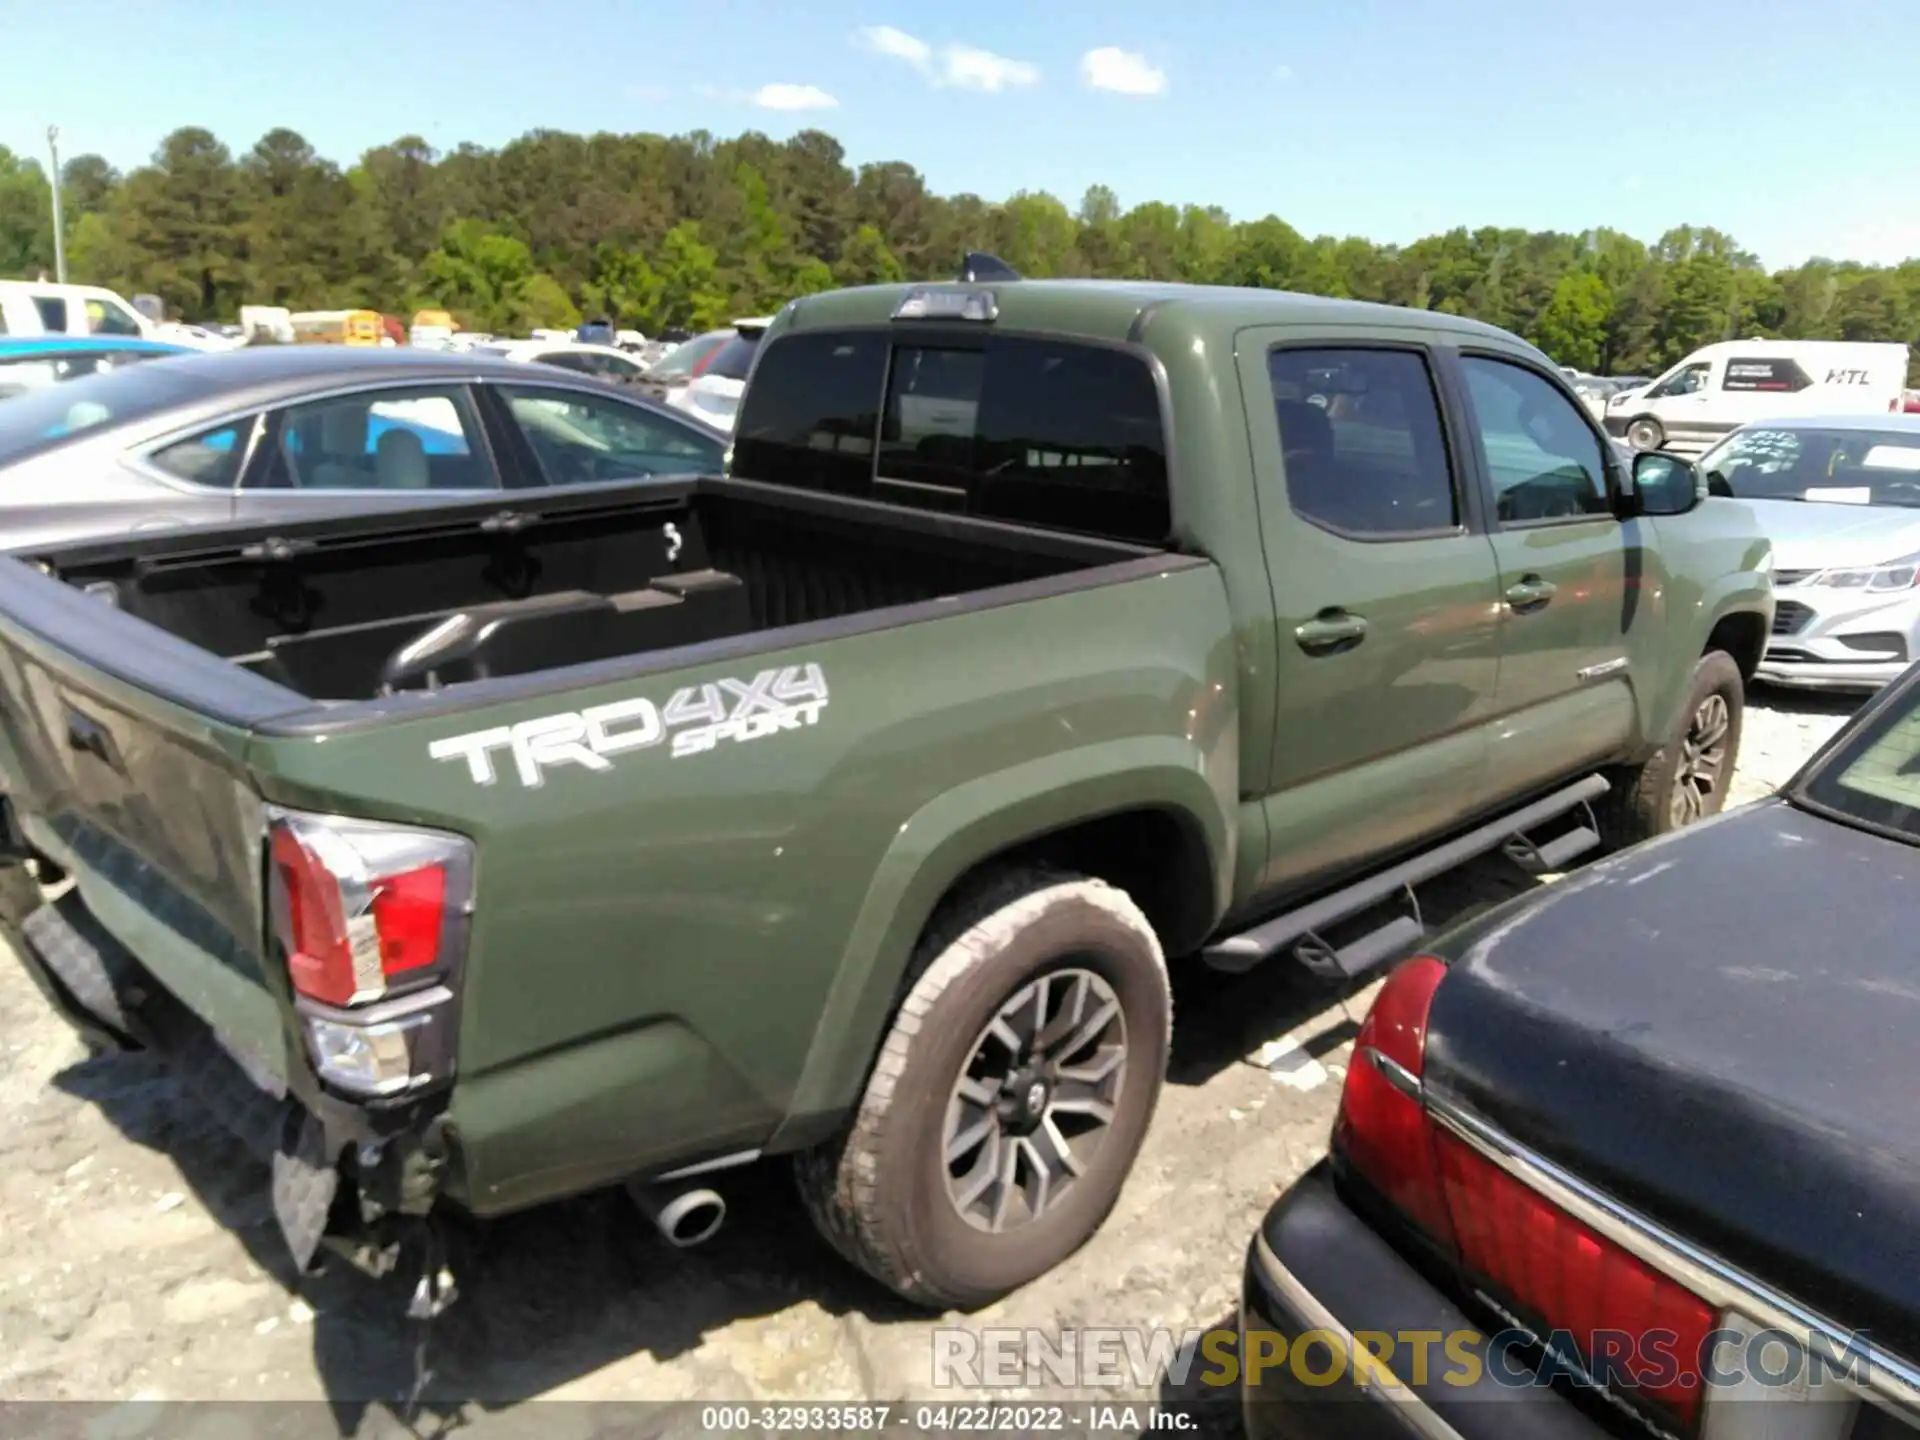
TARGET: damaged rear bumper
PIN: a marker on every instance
(344, 1176)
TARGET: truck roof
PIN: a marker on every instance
(1112, 309)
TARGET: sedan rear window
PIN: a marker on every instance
(735, 358)
(1873, 776)
(41, 419)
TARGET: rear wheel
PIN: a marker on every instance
(1010, 1096)
(1646, 433)
(1687, 779)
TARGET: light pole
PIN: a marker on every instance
(59, 239)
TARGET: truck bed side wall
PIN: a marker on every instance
(683, 949)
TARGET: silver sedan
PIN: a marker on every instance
(298, 431)
(1839, 497)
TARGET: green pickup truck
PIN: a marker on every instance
(852, 806)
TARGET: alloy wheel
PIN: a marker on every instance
(1036, 1099)
(1703, 759)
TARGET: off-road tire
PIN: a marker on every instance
(1640, 805)
(1647, 428)
(878, 1190)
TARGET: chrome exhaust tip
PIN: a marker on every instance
(684, 1218)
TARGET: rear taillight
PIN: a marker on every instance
(371, 920)
(1383, 1130)
(1556, 1273)
(1635, 1328)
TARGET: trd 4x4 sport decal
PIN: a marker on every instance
(698, 718)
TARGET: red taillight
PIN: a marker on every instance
(1383, 1132)
(1559, 1274)
(409, 914)
(1553, 1271)
(359, 905)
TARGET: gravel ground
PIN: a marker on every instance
(138, 1259)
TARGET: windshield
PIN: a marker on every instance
(1841, 465)
(39, 419)
(1873, 775)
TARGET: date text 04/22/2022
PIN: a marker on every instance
(943, 1419)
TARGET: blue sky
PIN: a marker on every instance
(1791, 124)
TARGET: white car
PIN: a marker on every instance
(604, 361)
(1839, 497)
(713, 395)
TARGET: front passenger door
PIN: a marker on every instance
(1384, 593)
(1570, 577)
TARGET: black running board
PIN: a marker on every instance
(1299, 928)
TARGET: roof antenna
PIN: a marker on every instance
(981, 268)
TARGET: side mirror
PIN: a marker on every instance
(1666, 484)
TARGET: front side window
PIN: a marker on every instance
(212, 458)
(425, 439)
(105, 317)
(1544, 460)
(581, 439)
(1687, 380)
(1361, 443)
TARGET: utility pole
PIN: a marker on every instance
(59, 238)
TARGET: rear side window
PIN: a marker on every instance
(53, 313)
(1771, 375)
(212, 459)
(1361, 442)
(1041, 432)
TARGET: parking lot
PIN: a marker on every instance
(140, 1258)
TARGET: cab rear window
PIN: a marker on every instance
(1054, 433)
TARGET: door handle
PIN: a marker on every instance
(1329, 629)
(1531, 592)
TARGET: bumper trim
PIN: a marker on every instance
(1419, 1417)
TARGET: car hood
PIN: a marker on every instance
(1718, 1029)
(1819, 535)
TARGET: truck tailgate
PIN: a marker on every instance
(147, 806)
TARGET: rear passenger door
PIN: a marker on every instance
(1570, 577)
(1385, 594)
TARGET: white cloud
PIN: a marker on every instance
(885, 40)
(1283, 73)
(1125, 72)
(961, 67)
(968, 68)
(793, 97)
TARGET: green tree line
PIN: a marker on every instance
(689, 230)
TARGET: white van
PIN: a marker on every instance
(1720, 387)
